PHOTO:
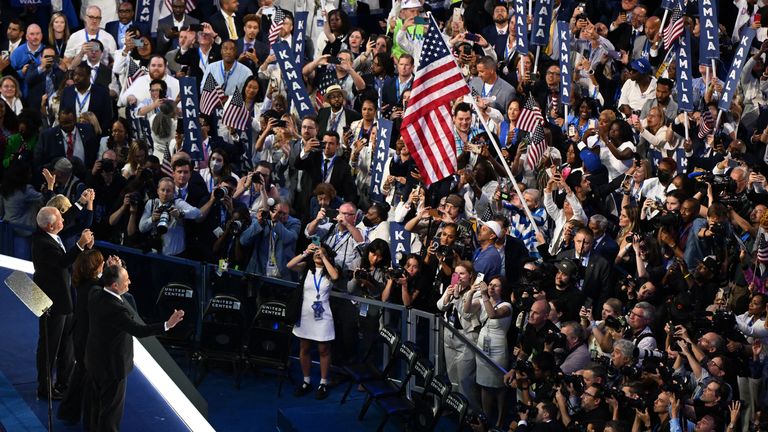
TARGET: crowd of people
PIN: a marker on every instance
(620, 277)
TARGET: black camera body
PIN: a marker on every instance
(107, 165)
(396, 273)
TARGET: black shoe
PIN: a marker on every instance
(303, 389)
(322, 392)
(55, 395)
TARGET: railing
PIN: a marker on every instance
(150, 271)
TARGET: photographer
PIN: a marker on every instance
(164, 216)
(661, 409)
(575, 354)
(107, 183)
(270, 238)
(403, 283)
(639, 332)
(622, 356)
(565, 289)
(458, 303)
(126, 212)
(227, 244)
(214, 215)
(545, 419)
(593, 408)
(368, 281)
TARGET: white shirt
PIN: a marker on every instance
(78, 38)
(615, 166)
(13, 45)
(632, 95)
(140, 89)
(79, 150)
(85, 99)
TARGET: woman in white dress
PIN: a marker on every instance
(316, 321)
(496, 317)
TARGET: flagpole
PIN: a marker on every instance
(714, 70)
(664, 20)
(536, 60)
(506, 165)
(685, 124)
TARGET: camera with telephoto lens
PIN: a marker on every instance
(362, 275)
(522, 366)
(631, 371)
(530, 410)
(556, 339)
(676, 384)
(444, 251)
(107, 165)
(165, 218)
(235, 227)
(220, 192)
(396, 272)
(476, 418)
(134, 198)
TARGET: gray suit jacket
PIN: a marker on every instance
(502, 91)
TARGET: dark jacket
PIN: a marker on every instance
(52, 275)
(99, 103)
(53, 144)
(341, 174)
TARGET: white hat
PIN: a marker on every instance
(493, 226)
(411, 4)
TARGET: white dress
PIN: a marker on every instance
(493, 340)
(308, 327)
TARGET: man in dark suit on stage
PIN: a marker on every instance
(93, 97)
(51, 261)
(597, 281)
(68, 139)
(320, 162)
(109, 349)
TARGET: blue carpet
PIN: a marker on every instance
(15, 414)
(145, 410)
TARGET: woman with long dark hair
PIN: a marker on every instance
(315, 321)
(336, 32)
(85, 278)
(369, 282)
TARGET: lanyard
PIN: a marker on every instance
(327, 170)
(335, 123)
(203, 59)
(81, 103)
(317, 282)
(226, 75)
(485, 94)
(59, 47)
(88, 38)
(364, 133)
(406, 87)
(339, 238)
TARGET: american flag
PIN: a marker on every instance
(706, 124)
(427, 127)
(236, 115)
(675, 27)
(277, 25)
(327, 79)
(530, 116)
(536, 147)
(212, 95)
(134, 72)
(191, 5)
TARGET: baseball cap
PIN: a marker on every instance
(493, 226)
(641, 65)
(568, 267)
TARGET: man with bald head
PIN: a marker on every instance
(649, 45)
(51, 261)
(27, 56)
(92, 31)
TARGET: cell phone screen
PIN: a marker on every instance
(454, 279)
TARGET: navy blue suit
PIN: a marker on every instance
(607, 248)
(100, 104)
(53, 144)
(36, 85)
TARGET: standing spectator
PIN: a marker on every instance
(51, 262)
(91, 31)
(315, 320)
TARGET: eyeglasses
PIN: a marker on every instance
(590, 395)
(631, 314)
(712, 363)
(97, 18)
(553, 73)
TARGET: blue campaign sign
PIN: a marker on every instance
(684, 77)
(190, 111)
(144, 11)
(709, 44)
(379, 158)
(564, 34)
(299, 35)
(739, 58)
(521, 27)
(400, 242)
(542, 18)
(294, 82)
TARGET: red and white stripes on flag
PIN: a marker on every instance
(211, 96)
(191, 5)
(706, 124)
(675, 27)
(531, 121)
(277, 25)
(530, 116)
(427, 127)
(236, 115)
(134, 72)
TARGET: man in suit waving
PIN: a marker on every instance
(109, 349)
(51, 261)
